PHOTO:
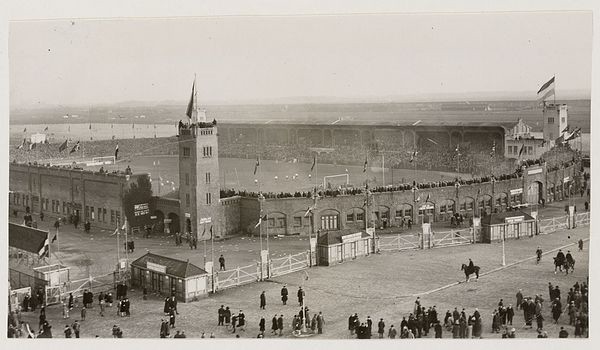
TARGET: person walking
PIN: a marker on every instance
(164, 329)
(300, 296)
(227, 315)
(102, 307)
(580, 244)
(510, 313)
(263, 300)
(68, 331)
(519, 298)
(320, 323)
(76, 328)
(83, 313)
(274, 326)
(221, 263)
(556, 310)
(381, 328)
(284, 294)
(221, 315)
(280, 325)
(392, 332)
(261, 325)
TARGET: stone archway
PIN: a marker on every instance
(159, 222)
(535, 193)
(172, 223)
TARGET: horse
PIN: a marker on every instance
(559, 264)
(469, 271)
(569, 264)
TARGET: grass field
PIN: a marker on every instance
(239, 174)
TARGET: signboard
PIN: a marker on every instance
(167, 221)
(141, 209)
(516, 191)
(156, 267)
(514, 219)
(534, 171)
(205, 220)
(566, 179)
(153, 217)
(353, 237)
(426, 206)
(188, 215)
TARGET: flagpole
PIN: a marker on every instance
(383, 168)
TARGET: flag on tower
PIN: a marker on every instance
(546, 90)
(63, 146)
(190, 106)
(413, 156)
(256, 165)
(116, 151)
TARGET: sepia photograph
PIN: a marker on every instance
(300, 177)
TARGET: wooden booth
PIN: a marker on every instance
(341, 245)
(170, 276)
(509, 224)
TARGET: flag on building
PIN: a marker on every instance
(565, 129)
(46, 129)
(63, 146)
(546, 90)
(413, 156)
(260, 220)
(75, 148)
(45, 249)
(190, 106)
(256, 165)
(576, 133)
(309, 211)
(521, 150)
(365, 165)
(117, 152)
(314, 163)
(32, 146)
(25, 130)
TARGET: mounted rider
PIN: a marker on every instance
(569, 258)
(560, 258)
(471, 266)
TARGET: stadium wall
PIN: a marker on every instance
(62, 191)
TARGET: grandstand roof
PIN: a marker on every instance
(500, 218)
(174, 267)
(26, 238)
(369, 123)
(335, 237)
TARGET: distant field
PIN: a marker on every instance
(239, 174)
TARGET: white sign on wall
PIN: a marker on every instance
(351, 237)
(205, 220)
(534, 171)
(188, 215)
(516, 191)
(514, 219)
(566, 179)
(156, 267)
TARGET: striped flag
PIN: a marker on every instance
(63, 146)
(45, 249)
(576, 133)
(256, 165)
(75, 148)
(260, 220)
(546, 90)
(521, 150)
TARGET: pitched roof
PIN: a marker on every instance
(175, 267)
(26, 238)
(335, 237)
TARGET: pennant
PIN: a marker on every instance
(256, 165)
(63, 146)
(117, 152)
(546, 90)
(521, 150)
(314, 163)
(75, 148)
(190, 106)
(365, 165)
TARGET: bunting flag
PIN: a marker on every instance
(521, 150)
(117, 152)
(256, 165)
(75, 148)
(309, 211)
(365, 165)
(190, 106)
(260, 220)
(63, 146)
(413, 156)
(46, 129)
(45, 249)
(546, 90)
(493, 151)
(313, 164)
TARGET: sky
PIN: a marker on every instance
(237, 59)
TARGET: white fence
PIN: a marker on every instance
(582, 218)
(237, 277)
(398, 242)
(546, 226)
(289, 264)
(451, 238)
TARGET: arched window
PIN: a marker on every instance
(404, 210)
(330, 219)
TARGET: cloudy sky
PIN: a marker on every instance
(78, 62)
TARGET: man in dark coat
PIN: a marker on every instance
(221, 315)
(263, 300)
(280, 325)
(284, 295)
(519, 299)
(351, 324)
(274, 326)
(227, 315)
(438, 330)
(369, 326)
(164, 329)
(320, 322)
(556, 310)
(510, 313)
(221, 263)
(300, 296)
(563, 333)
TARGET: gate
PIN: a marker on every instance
(53, 294)
(398, 243)
(550, 225)
(289, 264)
(451, 238)
(237, 277)
(582, 218)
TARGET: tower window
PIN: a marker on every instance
(187, 179)
(550, 120)
(187, 199)
(186, 151)
(208, 198)
(207, 178)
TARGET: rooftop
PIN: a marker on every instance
(174, 267)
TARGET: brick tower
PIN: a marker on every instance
(199, 176)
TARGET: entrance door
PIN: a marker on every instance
(534, 193)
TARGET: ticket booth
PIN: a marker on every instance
(168, 276)
(510, 225)
(342, 245)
